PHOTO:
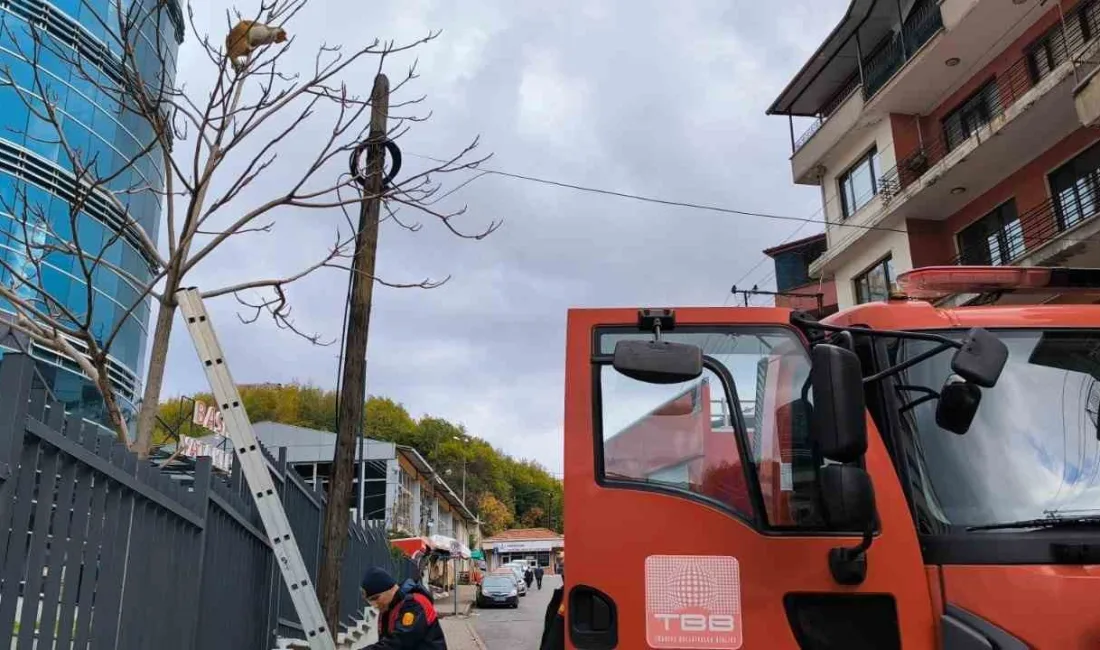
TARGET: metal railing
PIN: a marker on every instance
(1034, 228)
(101, 550)
(846, 91)
(993, 101)
(923, 23)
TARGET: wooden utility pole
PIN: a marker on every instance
(353, 381)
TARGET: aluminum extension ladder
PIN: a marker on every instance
(239, 429)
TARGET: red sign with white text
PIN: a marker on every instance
(693, 602)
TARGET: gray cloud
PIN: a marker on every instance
(642, 97)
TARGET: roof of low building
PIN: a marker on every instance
(524, 534)
(304, 445)
(792, 245)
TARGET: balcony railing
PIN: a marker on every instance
(1035, 228)
(921, 25)
(827, 111)
(880, 66)
(994, 100)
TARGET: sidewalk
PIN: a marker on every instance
(445, 606)
(460, 634)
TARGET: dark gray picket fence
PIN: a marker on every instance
(100, 551)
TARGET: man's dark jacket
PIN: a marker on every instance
(411, 622)
(553, 631)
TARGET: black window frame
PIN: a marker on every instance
(758, 519)
(870, 157)
(971, 114)
(1071, 170)
(1052, 44)
(887, 264)
(993, 223)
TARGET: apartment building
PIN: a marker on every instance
(950, 132)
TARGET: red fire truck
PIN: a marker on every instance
(898, 475)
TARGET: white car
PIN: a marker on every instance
(516, 573)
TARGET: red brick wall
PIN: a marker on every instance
(929, 242)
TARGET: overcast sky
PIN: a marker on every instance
(654, 98)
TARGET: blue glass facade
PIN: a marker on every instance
(32, 161)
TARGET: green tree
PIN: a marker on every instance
(495, 516)
(518, 490)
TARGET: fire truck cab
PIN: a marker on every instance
(896, 476)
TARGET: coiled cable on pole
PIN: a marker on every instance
(361, 177)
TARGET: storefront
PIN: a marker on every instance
(540, 545)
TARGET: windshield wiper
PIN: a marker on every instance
(1046, 522)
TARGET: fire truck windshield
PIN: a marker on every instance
(1032, 451)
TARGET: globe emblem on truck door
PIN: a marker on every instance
(691, 586)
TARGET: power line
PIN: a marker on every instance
(656, 200)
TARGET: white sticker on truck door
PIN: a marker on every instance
(693, 602)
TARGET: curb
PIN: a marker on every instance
(476, 637)
(462, 611)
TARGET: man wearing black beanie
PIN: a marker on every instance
(406, 616)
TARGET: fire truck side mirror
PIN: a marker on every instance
(957, 406)
(658, 362)
(848, 498)
(839, 422)
(981, 358)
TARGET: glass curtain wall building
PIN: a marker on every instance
(35, 165)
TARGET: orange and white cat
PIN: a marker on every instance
(245, 37)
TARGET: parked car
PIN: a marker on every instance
(497, 590)
(516, 573)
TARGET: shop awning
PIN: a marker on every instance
(451, 545)
(412, 546)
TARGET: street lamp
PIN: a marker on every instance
(549, 506)
(461, 439)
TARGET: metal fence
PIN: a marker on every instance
(101, 551)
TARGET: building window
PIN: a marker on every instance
(875, 283)
(1051, 49)
(995, 239)
(859, 184)
(1075, 186)
(971, 115)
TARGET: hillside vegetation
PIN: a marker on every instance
(504, 492)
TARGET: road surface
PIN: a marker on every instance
(516, 629)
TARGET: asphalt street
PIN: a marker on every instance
(516, 629)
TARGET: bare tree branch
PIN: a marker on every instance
(264, 132)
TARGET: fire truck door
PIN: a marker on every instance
(693, 511)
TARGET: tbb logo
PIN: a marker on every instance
(693, 602)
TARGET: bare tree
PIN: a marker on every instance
(216, 151)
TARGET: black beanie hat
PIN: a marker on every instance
(376, 580)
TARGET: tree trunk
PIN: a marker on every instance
(110, 401)
(158, 356)
(353, 387)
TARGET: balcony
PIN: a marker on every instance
(922, 24)
(1018, 115)
(1049, 234)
